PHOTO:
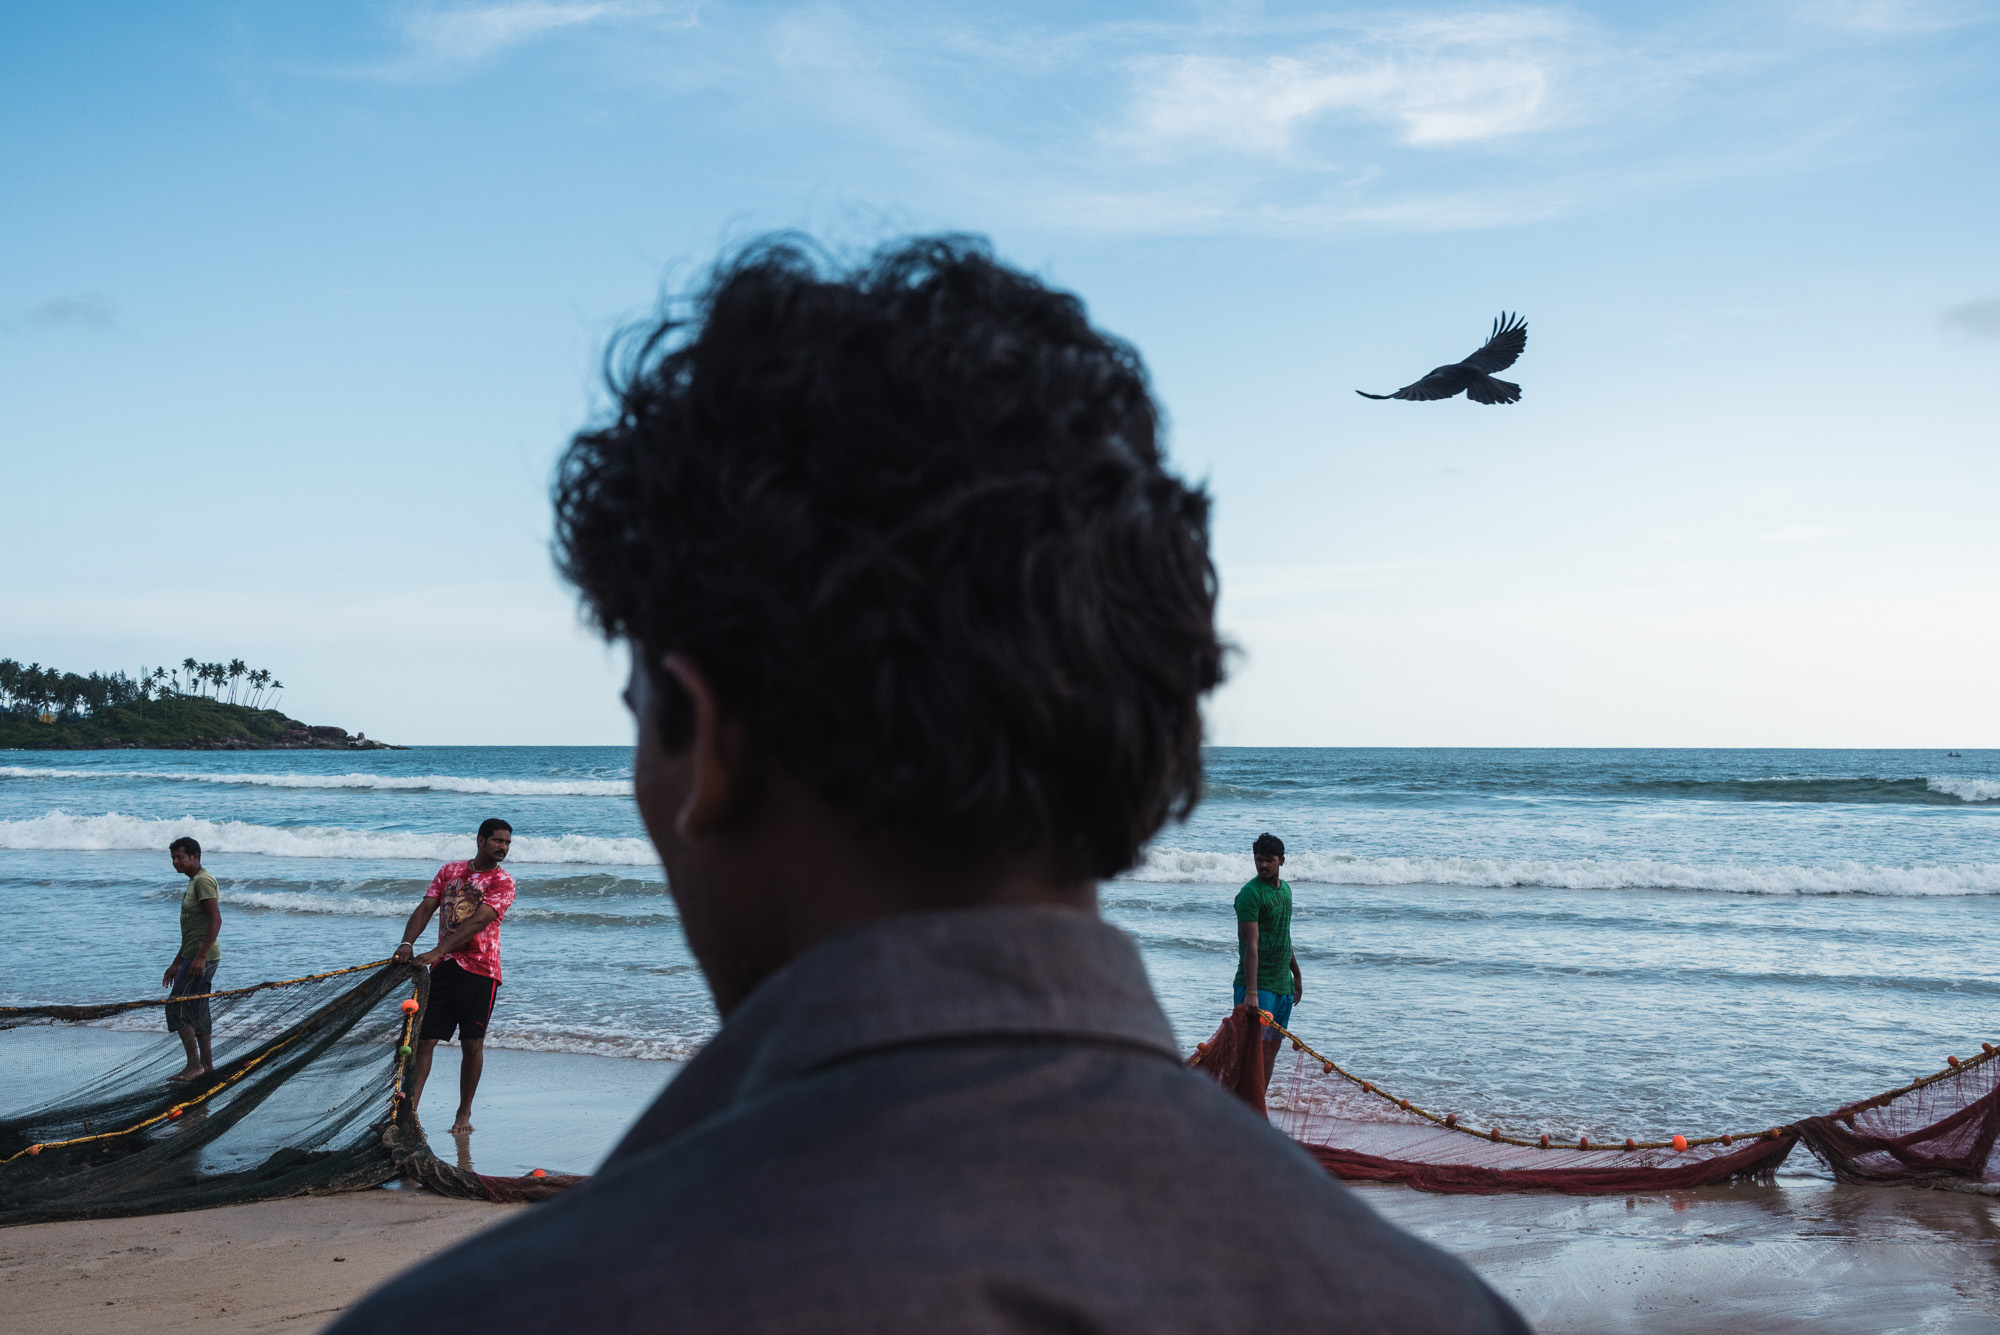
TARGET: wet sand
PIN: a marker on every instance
(277, 1265)
(1805, 1254)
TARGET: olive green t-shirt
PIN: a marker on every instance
(194, 918)
(1270, 907)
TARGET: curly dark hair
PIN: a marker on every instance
(912, 521)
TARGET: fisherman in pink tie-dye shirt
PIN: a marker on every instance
(470, 898)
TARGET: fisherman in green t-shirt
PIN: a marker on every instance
(192, 974)
(1264, 931)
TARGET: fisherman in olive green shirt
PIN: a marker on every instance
(192, 974)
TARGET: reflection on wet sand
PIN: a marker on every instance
(1801, 1253)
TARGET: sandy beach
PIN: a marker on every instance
(277, 1265)
(1777, 1258)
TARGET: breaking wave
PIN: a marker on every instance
(645, 914)
(1839, 878)
(60, 830)
(1968, 790)
(1935, 791)
(404, 783)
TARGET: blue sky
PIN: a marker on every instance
(300, 301)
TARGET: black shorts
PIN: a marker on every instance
(461, 1000)
(192, 1014)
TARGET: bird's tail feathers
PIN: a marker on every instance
(1492, 389)
(1366, 395)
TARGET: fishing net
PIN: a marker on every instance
(1940, 1130)
(305, 1098)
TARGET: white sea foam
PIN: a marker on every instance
(294, 901)
(1968, 790)
(645, 914)
(60, 830)
(1839, 878)
(408, 783)
(511, 1033)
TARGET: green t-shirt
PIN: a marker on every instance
(194, 918)
(1270, 907)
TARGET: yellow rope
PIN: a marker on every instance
(1332, 1067)
(177, 1109)
(107, 1007)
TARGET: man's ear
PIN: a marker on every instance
(721, 769)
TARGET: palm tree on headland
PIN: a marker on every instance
(236, 671)
(188, 665)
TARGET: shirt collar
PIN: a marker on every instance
(916, 978)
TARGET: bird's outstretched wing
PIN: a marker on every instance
(1502, 347)
(1432, 386)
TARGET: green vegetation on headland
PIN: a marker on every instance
(42, 709)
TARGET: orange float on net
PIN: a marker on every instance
(409, 1005)
(1986, 1047)
(1953, 1061)
(1631, 1144)
(1451, 1119)
(539, 1172)
(1728, 1139)
(173, 1112)
(1494, 1134)
(1774, 1133)
(1298, 1046)
(1679, 1143)
(33, 1150)
(1545, 1140)
(1326, 1068)
(1404, 1104)
(1367, 1088)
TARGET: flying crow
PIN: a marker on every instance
(1474, 375)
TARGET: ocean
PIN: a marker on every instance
(1601, 942)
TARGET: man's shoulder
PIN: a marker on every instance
(203, 886)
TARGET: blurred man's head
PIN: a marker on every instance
(906, 533)
(185, 854)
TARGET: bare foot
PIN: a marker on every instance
(187, 1075)
(463, 1126)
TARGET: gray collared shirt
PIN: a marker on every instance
(973, 1120)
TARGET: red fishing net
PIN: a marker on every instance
(1940, 1130)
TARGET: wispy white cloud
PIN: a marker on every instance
(1893, 16)
(1801, 533)
(1977, 319)
(450, 38)
(87, 310)
(1436, 81)
(1239, 119)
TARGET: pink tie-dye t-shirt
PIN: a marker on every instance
(459, 891)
